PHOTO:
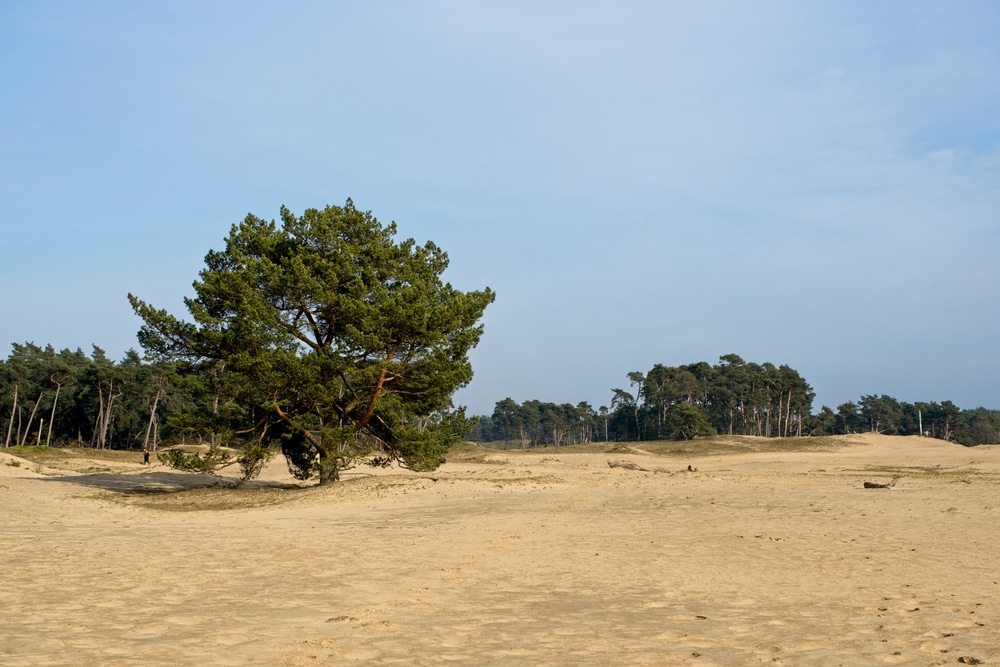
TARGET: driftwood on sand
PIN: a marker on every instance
(628, 465)
(876, 485)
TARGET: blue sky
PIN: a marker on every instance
(806, 183)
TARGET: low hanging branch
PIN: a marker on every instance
(251, 459)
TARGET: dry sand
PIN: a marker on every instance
(542, 558)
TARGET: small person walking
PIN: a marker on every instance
(145, 456)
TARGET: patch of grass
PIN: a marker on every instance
(208, 499)
(31, 452)
(929, 472)
(471, 452)
(719, 445)
(76, 459)
(709, 446)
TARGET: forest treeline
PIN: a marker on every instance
(732, 397)
(72, 398)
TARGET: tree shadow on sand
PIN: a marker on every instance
(157, 482)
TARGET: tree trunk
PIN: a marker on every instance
(328, 470)
(788, 413)
(213, 442)
(52, 418)
(31, 418)
(107, 415)
(777, 422)
(13, 409)
(103, 423)
(152, 420)
(100, 416)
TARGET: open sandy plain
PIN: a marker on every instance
(548, 557)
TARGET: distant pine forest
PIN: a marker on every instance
(733, 397)
(70, 398)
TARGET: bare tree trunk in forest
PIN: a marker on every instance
(777, 423)
(781, 412)
(788, 412)
(31, 418)
(106, 422)
(103, 421)
(100, 415)
(52, 417)
(13, 409)
(152, 420)
(215, 411)
(41, 427)
(95, 439)
(105, 418)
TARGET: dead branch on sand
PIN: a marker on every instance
(875, 485)
(628, 465)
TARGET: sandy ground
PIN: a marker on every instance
(544, 558)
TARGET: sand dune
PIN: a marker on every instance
(508, 558)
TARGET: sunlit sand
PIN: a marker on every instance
(548, 557)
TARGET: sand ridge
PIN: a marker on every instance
(547, 558)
